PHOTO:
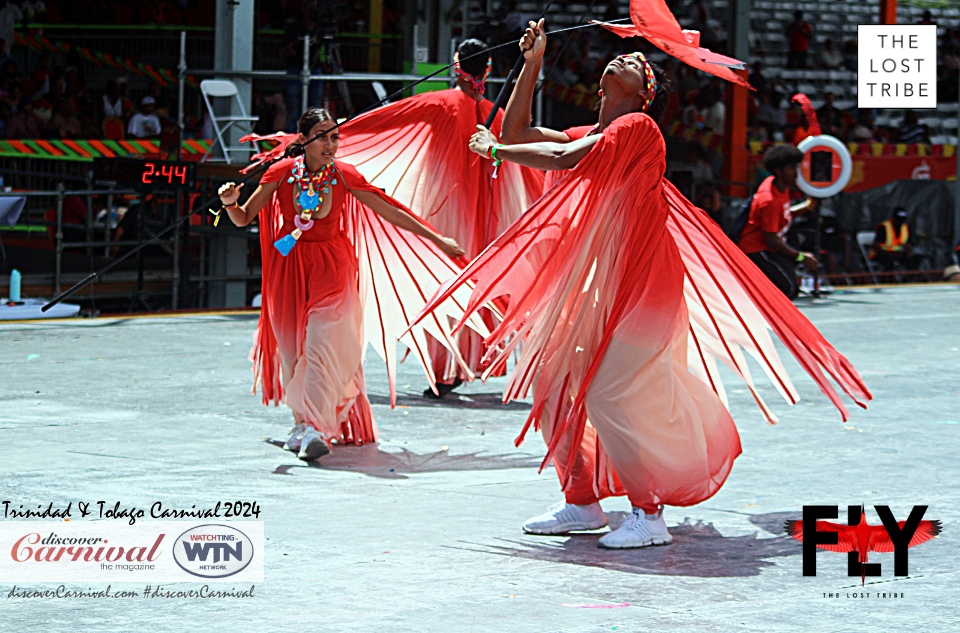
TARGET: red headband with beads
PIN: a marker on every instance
(648, 74)
(479, 85)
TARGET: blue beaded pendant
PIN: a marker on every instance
(285, 244)
(309, 202)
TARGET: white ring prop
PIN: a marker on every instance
(846, 166)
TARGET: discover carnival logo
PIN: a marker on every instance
(101, 551)
(213, 551)
(31, 547)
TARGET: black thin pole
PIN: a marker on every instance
(295, 149)
(818, 224)
(566, 42)
(505, 88)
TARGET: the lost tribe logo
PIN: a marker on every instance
(213, 551)
(858, 538)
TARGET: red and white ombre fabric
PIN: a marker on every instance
(416, 150)
(352, 279)
(624, 296)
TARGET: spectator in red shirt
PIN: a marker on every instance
(762, 236)
(800, 34)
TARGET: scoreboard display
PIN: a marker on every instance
(137, 173)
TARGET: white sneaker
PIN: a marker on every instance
(293, 443)
(312, 445)
(566, 517)
(638, 530)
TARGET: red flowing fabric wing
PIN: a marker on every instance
(732, 304)
(653, 20)
(416, 150)
(265, 355)
(399, 272)
(561, 247)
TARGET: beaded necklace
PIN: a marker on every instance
(308, 191)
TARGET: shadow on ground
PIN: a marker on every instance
(452, 400)
(371, 460)
(698, 550)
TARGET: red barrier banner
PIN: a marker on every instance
(870, 172)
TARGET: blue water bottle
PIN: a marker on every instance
(15, 285)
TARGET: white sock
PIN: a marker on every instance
(651, 517)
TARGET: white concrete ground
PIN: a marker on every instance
(421, 533)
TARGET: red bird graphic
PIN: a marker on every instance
(864, 538)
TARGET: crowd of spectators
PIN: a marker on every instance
(768, 121)
(48, 97)
(54, 102)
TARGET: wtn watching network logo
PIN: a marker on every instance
(115, 551)
(213, 551)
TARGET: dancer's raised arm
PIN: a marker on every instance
(517, 117)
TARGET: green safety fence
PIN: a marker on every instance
(87, 150)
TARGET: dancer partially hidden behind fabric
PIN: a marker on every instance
(416, 150)
(624, 296)
(317, 214)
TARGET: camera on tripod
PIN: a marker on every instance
(325, 16)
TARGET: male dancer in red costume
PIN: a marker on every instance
(624, 296)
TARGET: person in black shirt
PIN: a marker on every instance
(292, 49)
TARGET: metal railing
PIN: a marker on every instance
(90, 243)
(306, 76)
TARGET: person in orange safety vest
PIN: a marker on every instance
(891, 244)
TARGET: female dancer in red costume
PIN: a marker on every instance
(625, 296)
(416, 150)
(334, 268)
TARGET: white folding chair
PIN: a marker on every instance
(381, 92)
(224, 89)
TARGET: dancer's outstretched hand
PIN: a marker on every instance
(534, 40)
(229, 193)
(482, 141)
(449, 247)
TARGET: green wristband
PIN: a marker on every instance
(493, 152)
(800, 257)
